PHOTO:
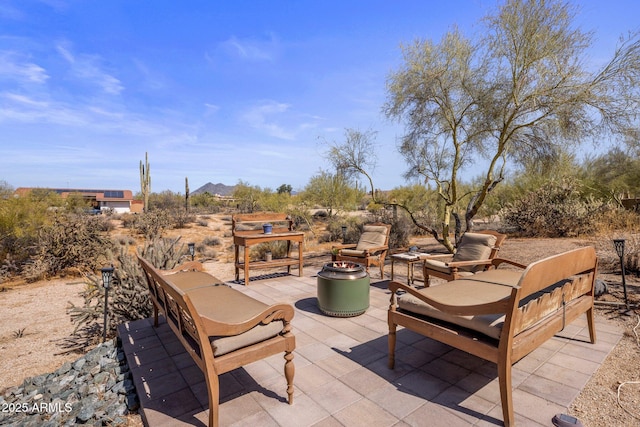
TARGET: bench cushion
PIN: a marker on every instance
(220, 303)
(482, 288)
(186, 280)
(224, 345)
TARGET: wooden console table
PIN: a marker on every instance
(247, 238)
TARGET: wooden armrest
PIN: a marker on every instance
(455, 264)
(497, 261)
(437, 256)
(345, 246)
(272, 313)
(375, 249)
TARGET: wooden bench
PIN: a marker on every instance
(500, 315)
(221, 328)
(247, 231)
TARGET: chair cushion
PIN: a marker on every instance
(474, 246)
(433, 264)
(482, 288)
(352, 252)
(372, 236)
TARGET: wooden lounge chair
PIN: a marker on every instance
(500, 315)
(371, 249)
(475, 252)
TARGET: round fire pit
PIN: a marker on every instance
(343, 289)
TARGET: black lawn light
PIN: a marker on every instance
(192, 250)
(619, 246)
(107, 272)
(344, 234)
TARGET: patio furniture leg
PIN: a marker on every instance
(392, 345)
(506, 395)
(289, 371)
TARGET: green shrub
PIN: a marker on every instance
(554, 210)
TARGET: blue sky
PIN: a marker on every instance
(216, 91)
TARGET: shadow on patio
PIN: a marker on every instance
(342, 376)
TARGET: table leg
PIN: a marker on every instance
(246, 266)
(300, 262)
(409, 273)
(392, 262)
(235, 261)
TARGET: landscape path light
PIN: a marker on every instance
(106, 282)
(344, 234)
(192, 250)
(619, 245)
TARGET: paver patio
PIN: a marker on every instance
(342, 376)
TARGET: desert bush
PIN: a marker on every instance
(180, 218)
(165, 253)
(212, 241)
(334, 229)
(128, 293)
(277, 248)
(150, 224)
(21, 219)
(554, 210)
(615, 219)
(301, 217)
(202, 222)
(402, 228)
(72, 241)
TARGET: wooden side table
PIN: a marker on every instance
(409, 258)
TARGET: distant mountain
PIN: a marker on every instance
(221, 189)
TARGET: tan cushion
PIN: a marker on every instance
(185, 280)
(474, 246)
(223, 345)
(372, 236)
(433, 264)
(220, 303)
(352, 252)
(493, 285)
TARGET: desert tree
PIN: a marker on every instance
(519, 91)
(285, 189)
(333, 191)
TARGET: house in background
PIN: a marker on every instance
(118, 201)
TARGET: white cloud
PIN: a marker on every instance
(88, 68)
(252, 49)
(13, 67)
(260, 117)
(276, 119)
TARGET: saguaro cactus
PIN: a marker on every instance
(145, 181)
(186, 194)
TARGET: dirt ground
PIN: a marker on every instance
(34, 322)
